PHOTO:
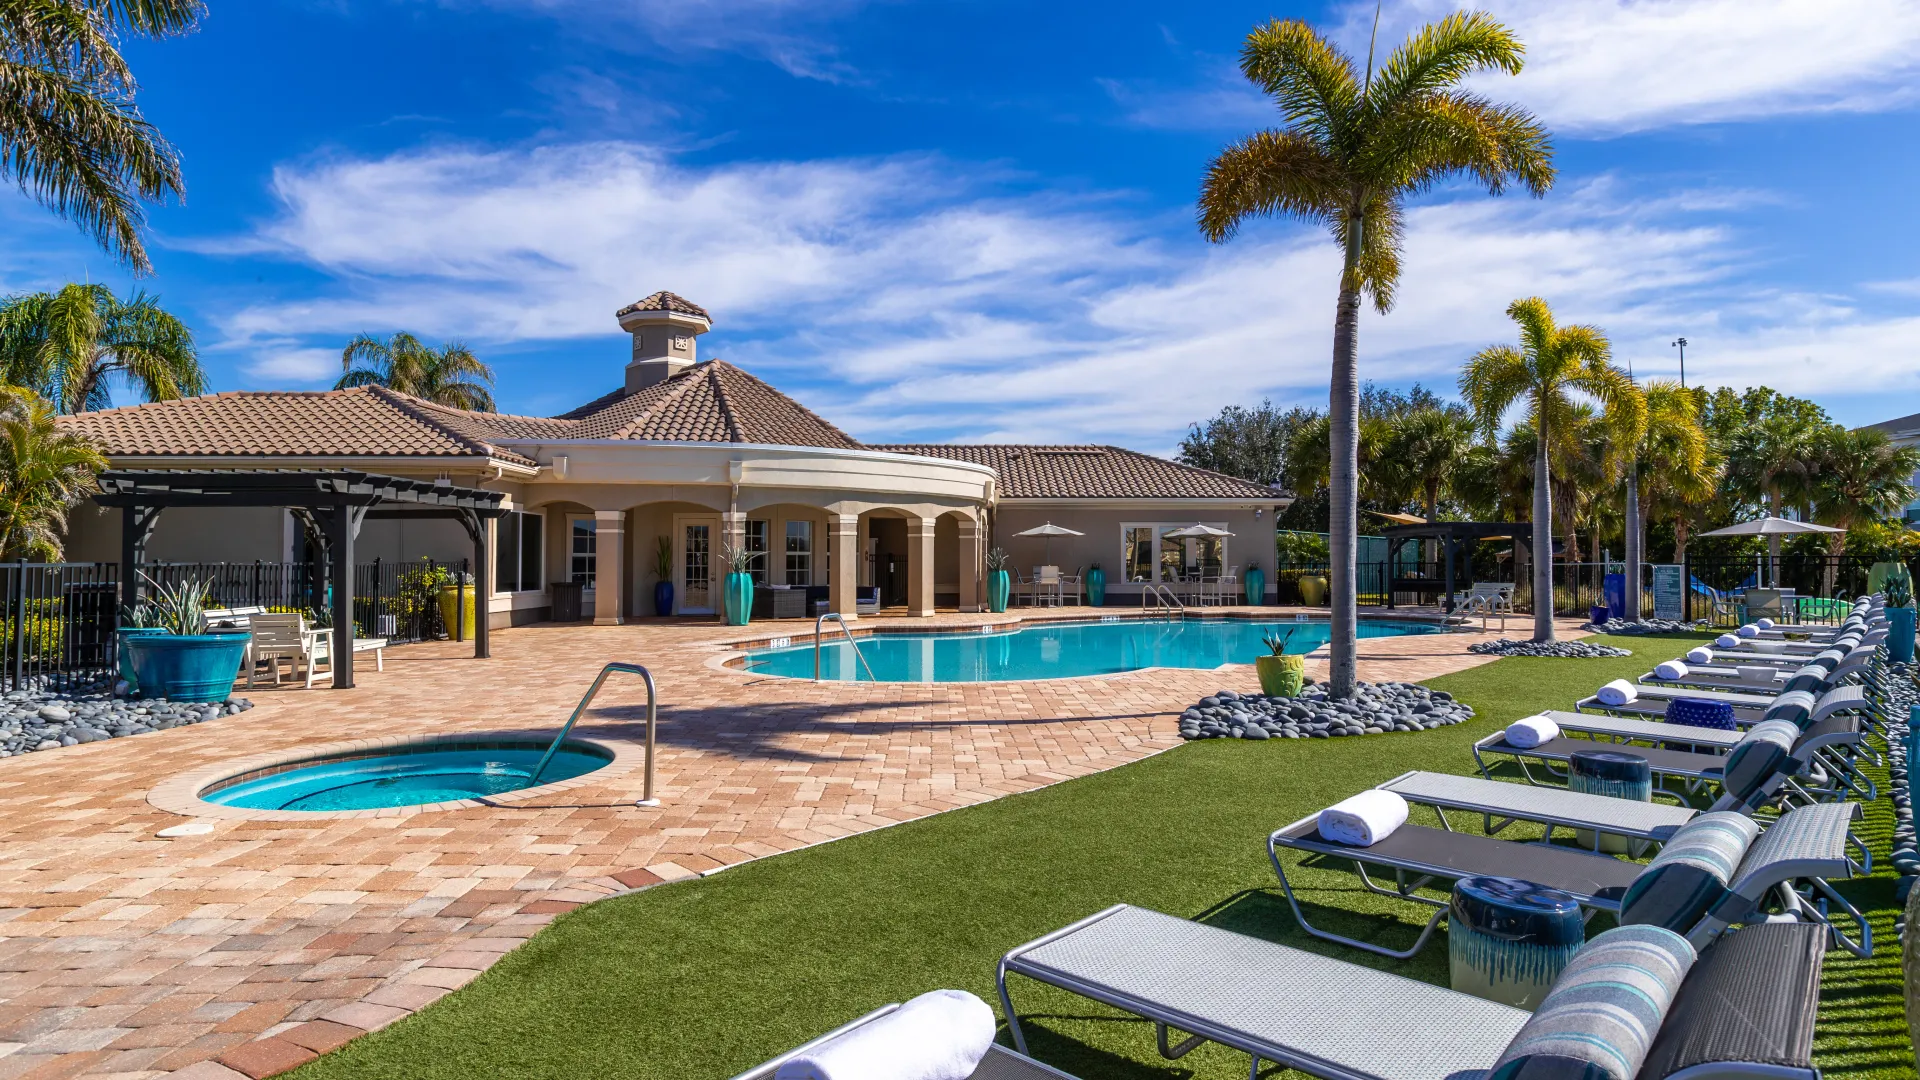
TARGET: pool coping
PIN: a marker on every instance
(180, 794)
(731, 655)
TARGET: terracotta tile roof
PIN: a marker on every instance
(363, 421)
(666, 301)
(710, 402)
(1091, 472)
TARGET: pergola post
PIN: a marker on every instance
(136, 527)
(342, 524)
(1446, 604)
(477, 528)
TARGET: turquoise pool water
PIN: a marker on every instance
(374, 783)
(1052, 652)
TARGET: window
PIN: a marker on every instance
(799, 552)
(757, 535)
(582, 551)
(1149, 554)
(518, 566)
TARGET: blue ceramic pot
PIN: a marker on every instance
(125, 635)
(999, 589)
(663, 597)
(1256, 586)
(1508, 939)
(739, 598)
(1096, 587)
(1900, 634)
(188, 667)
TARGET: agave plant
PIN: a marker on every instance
(1899, 587)
(1277, 643)
(997, 559)
(738, 559)
(181, 607)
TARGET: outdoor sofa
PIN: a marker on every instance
(1745, 1008)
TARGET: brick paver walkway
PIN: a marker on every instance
(248, 950)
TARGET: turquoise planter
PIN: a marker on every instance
(126, 634)
(1256, 586)
(1900, 634)
(739, 599)
(1096, 587)
(187, 667)
(999, 588)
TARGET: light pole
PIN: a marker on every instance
(1681, 344)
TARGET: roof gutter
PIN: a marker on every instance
(357, 462)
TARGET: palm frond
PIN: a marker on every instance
(1495, 378)
(1308, 77)
(1442, 53)
(1270, 172)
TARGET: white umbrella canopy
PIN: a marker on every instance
(1195, 531)
(1049, 530)
(1772, 526)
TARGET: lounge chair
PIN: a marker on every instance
(999, 1064)
(1652, 699)
(1807, 844)
(1745, 1007)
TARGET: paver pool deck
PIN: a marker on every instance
(251, 949)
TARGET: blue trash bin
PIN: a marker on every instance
(1614, 588)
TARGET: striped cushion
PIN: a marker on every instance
(1794, 705)
(1700, 712)
(1809, 677)
(1691, 873)
(1600, 1018)
(1755, 759)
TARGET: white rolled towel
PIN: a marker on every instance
(1532, 731)
(1617, 692)
(1748, 631)
(941, 1035)
(1774, 647)
(1365, 819)
(1671, 669)
(1701, 655)
(1727, 641)
(1758, 676)
(1764, 624)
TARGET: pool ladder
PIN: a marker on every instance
(820, 623)
(1164, 602)
(653, 717)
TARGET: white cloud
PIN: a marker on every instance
(911, 297)
(1608, 66)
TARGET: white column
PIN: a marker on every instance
(919, 566)
(609, 559)
(970, 556)
(845, 529)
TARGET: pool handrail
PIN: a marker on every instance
(845, 629)
(1163, 599)
(653, 717)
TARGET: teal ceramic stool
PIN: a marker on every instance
(1507, 939)
(1612, 773)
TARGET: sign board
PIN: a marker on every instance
(1669, 592)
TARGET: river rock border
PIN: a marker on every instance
(1562, 650)
(39, 720)
(1641, 626)
(1374, 709)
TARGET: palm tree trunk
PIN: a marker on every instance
(1634, 553)
(1343, 472)
(1542, 536)
(1680, 538)
(1773, 542)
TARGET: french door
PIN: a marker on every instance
(695, 561)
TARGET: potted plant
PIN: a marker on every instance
(458, 599)
(1096, 586)
(1900, 614)
(1256, 583)
(999, 583)
(1313, 589)
(186, 663)
(1281, 675)
(135, 621)
(663, 568)
(739, 588)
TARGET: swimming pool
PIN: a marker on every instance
(1056, 651)
(406, 779)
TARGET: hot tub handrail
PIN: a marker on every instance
(818, 624)
(653, 716)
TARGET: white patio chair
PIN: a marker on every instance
(287, 637)
(1046, 585)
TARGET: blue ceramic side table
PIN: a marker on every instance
(1508, 939)
(1612, 773)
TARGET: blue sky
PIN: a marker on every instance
(974, 220)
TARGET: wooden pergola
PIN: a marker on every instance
(329, 504)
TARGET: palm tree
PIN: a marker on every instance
(44, 471)
(1353, 148)
(1862, 477)
(70, 133)
(1427, 446)
(1773, 459)
(450, 375)
(1671, 452)
(1552, 364)
(66, 345)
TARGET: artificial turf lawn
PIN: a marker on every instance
(707, 978)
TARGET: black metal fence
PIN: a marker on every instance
(1819, 584)
(60, 618)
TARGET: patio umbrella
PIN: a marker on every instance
(1772, 526)
(1049, 530)
(1196, 531)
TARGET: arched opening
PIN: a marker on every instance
(680, 543)
(886, 559)
(956, 562)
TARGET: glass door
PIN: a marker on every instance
(696, 559)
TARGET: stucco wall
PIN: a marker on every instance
(183, 534)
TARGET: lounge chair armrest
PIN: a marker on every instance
(1807, 842)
